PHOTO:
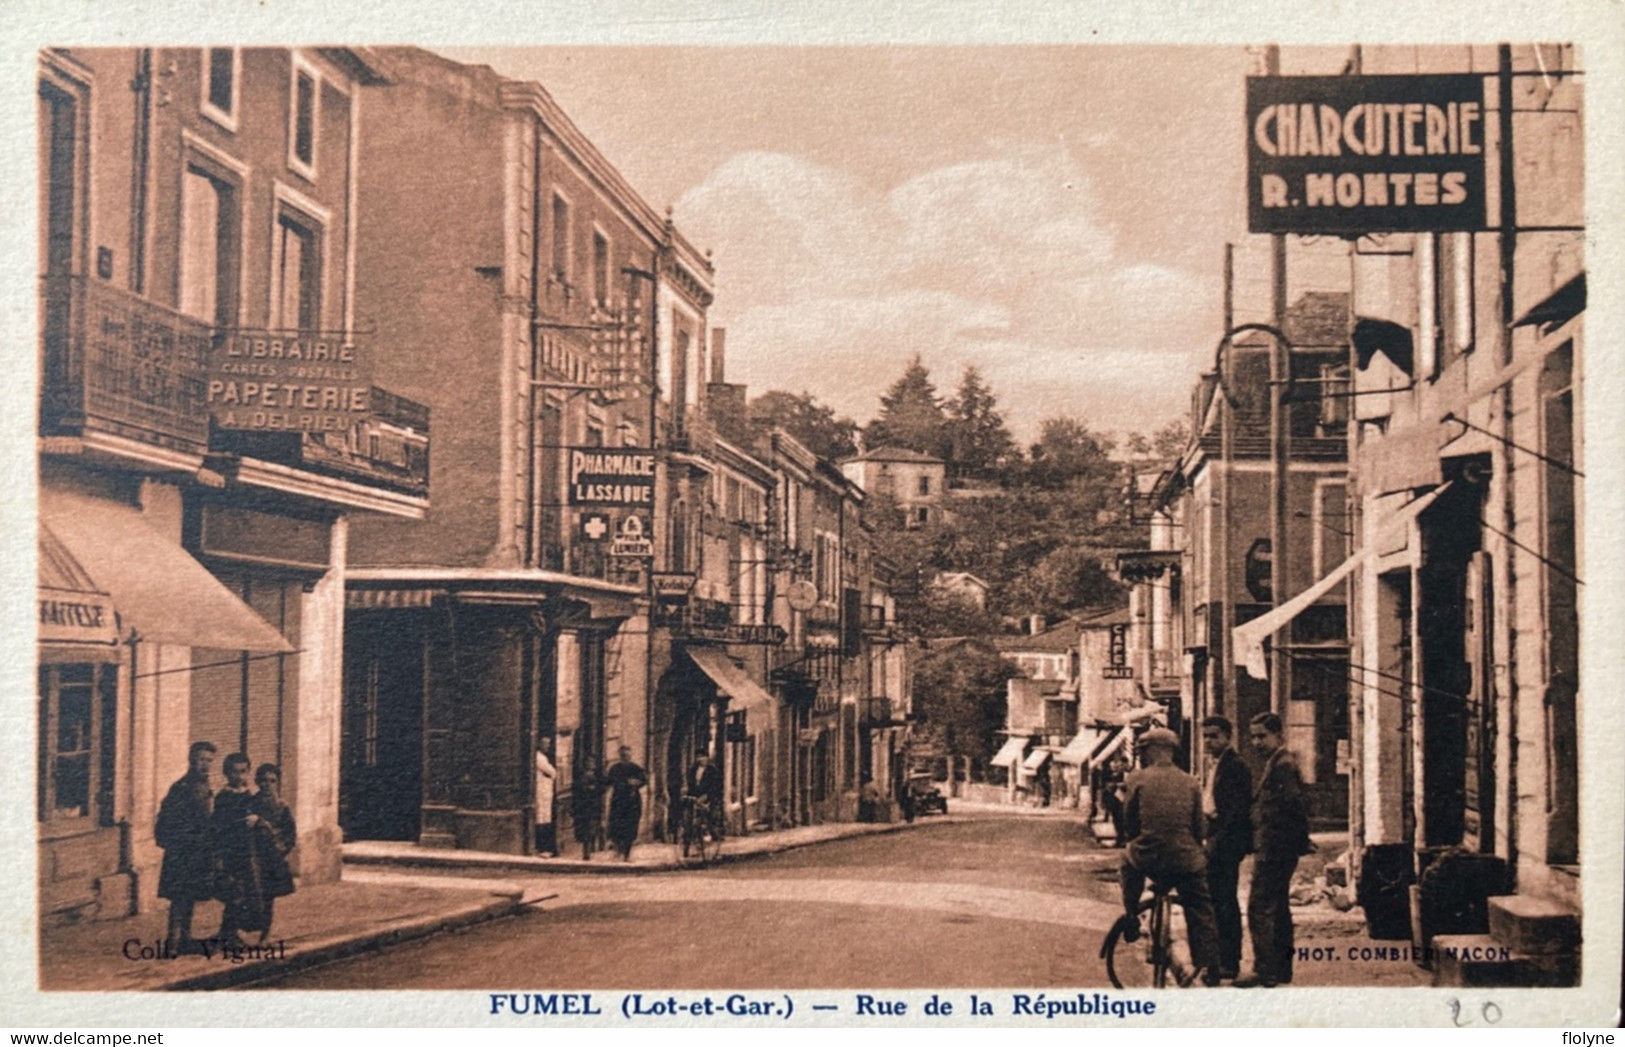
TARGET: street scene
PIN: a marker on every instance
(914, 518)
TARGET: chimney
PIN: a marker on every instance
(1036, 624)
(719, 356)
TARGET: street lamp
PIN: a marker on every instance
(1281, 385)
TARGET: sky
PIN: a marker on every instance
(1055, 216)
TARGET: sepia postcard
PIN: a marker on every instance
(993, 516)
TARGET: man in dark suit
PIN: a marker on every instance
(1280, 838)
(183, 831)
(1227, 800)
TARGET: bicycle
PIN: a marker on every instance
(700, 836)
(1157, 959)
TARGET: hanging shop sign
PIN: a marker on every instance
(632, 538)
(621, 477)
(269, 381)
(673, 585)
(1347, 155)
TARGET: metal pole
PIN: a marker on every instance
(1223, 659)
(1280, 434)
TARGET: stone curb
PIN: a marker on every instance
(427, 859)
(326, 948)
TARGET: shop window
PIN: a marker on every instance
(77, 710)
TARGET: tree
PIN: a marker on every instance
(911, 415)
(1069, 454)
(816, 425)
(959, 695)
(980, 443)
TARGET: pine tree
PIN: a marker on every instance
(981, 443)
(911, 415)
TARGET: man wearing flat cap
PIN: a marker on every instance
(1163, 824)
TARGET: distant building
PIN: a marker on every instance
(963, 586)
(916, 483)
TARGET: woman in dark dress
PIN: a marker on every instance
(238, 876)
(625, 780)
(270, 841)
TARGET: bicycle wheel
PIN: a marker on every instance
(710, 846)
(1136, 964)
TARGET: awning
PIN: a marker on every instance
(1035, 759)
(1082, 744)
(1249, 637)
(1108, 748)
(164, 593)
(1138, 713)
(1010, 751)
(730, 679)
(72, 610)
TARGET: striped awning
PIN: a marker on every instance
(1010, 752)
(388, 599)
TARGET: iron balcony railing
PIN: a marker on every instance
(117, 363)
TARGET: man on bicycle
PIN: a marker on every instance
(1162, 822)
(702, 792)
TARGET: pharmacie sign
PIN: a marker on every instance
(265, 381)
(1347, 155)
(612, 476)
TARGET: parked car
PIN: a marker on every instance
(928, 797)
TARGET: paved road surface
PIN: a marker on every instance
(996, 900)
(987, 902)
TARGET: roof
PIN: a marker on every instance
(894, 454)
(1058, 638)
(961, 578)
(1115, 616)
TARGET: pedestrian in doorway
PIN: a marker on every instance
(182, 830)
(1046, 788)
(626, 781)
(238, 883)
(1227, 799)
(547, 841)
(270, 842)
(869, 801)
(587, 808)
(1280, 838)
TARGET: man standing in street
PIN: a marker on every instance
(1280, 838)
(1227, 799)
(1162, 822)
(183, 831)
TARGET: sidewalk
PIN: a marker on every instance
(646, 857)
(314, 925)
(328, 921)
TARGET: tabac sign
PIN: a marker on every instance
(267, 381)
(612, 476)
(1347, 155)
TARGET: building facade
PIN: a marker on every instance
(209, 429)
(533, 300)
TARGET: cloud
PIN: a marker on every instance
(830, 284)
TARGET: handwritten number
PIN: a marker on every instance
(1484, 1011)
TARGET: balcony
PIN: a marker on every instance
(882, 712)
(708, 620)
(591, 560)
(118, 364)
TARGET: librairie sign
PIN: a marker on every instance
(268, 381)
(1347, 155)
(612, 476)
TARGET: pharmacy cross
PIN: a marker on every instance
(595, 527)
